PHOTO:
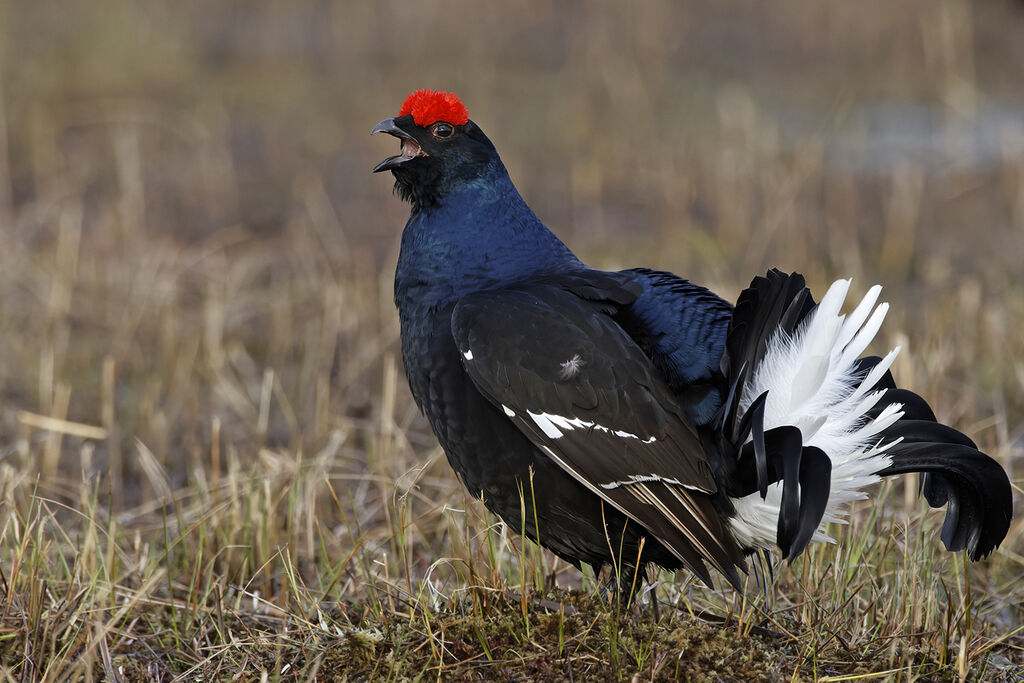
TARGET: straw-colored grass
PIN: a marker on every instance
(210, 465)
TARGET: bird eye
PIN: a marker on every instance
(443, 130)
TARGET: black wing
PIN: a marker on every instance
(551, 356)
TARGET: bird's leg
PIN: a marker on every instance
(622, 585)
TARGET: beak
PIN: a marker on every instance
(410, 148)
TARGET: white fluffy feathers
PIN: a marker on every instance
(811, 384)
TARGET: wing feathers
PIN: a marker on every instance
(613, 423)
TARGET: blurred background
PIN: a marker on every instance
(196, 261)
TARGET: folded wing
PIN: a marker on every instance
(550, 354)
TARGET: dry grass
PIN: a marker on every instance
(210, 467)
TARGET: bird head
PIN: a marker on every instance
(440, 149)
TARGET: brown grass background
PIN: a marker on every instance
(195, 272)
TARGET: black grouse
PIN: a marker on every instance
(661, 424)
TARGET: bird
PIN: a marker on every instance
(642, 420)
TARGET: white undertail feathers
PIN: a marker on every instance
(813, 385)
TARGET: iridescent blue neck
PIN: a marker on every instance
(482, 234)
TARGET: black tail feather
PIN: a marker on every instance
(815, 484)
(971, 485)
(771, 303)
(786, 447)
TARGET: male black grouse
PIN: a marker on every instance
(662, 425)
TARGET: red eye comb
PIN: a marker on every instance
(430, 106)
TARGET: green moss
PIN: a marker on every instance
(570, 636)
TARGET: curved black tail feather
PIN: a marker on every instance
(973, 487)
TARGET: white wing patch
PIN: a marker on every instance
(639, 478)
(812, 384)
(508, 411)
(543, 420)
(552, 426)
(468, 354)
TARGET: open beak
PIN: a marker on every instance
(410, 149)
